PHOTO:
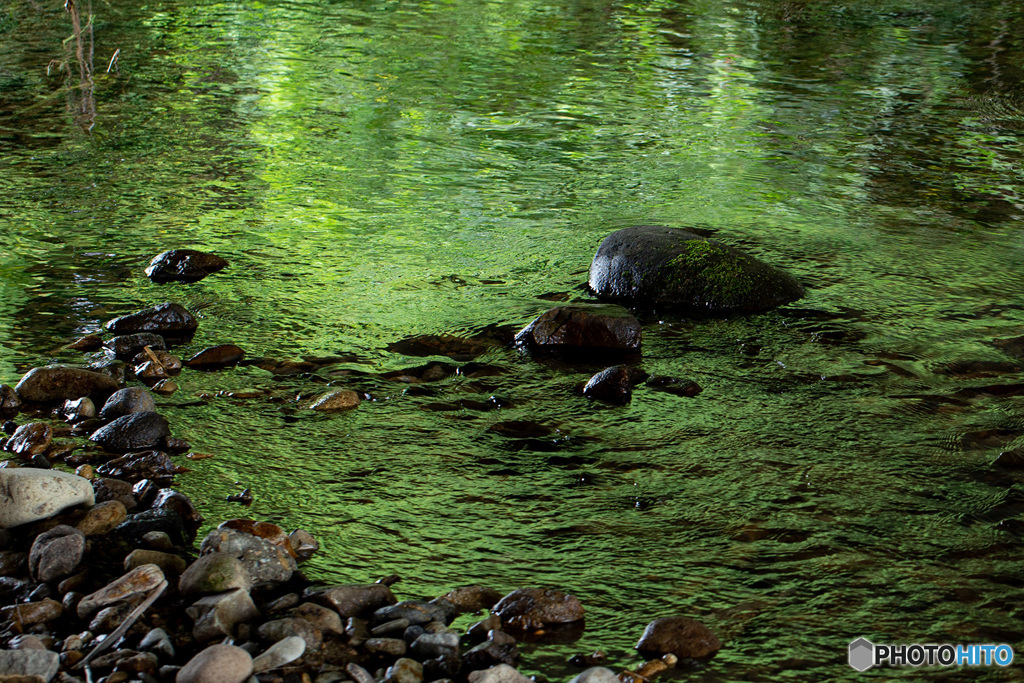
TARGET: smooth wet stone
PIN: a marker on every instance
(42, 663)
(169, 499)
(110, 618)
(267, 564)
(159, 643)
(393, 647)
(56, 553)
(170, 564)
(530, 608)
(614, 385)
(214, 357)
(355, 600)
(324, 619)
(127, 346)
(674, 385)
(472, 598)
(127, 401)
(289, 627)
(166, 362)
(359, 674)
(500, 648)
(138, 581)
(217, 664)
(415, 611)
(27, 641)
(336, 400)
(304, 544)
(78, 410)
(183, 265)
(141, 523)
(680, 636)
(102, 518)
(431, 645)
(165, 387)
(217, 616)
(30, 439)
(405, 670)
(167, 319)
(596, 674)
(10, 404)
(284, 651)
(214, 573)
(86, 343)
(502, 673)
(113, 489)
(137, 431)
(56, 383)
(653, 266)
(28, 495)
(583, 329)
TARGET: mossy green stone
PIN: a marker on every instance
(214, 573)
(651, 266)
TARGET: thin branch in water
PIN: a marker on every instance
(113, 62)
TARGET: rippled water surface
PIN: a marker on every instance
(376, 170)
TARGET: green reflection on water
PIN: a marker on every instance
(380, 170)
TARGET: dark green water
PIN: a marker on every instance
(376, 170)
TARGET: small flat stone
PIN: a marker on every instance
(405, 670)
(217, 664)
(393, 647)
(279, 629)
(282, 652)
(472, 598)
(30, 439)
(355, 600)
(324, 619)
(359, 674)
(416, 612)
(529, 608)
(26, 614)
(27, 494)
(214, 357)
(127, 401)
(183, 265)
(596, 674)
(502, 673)
(133, 432)
(217, 616)
(78, 410)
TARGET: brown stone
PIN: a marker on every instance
(59, 383)
(680, 636)
(136, 582)
(214, 357)
(102, 518)
(583, 328)
(531, 608)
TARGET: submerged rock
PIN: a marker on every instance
(126, 346)
(60, 383)
(583, 328)
(530, 608)
(614, 384)
(653, 266)
(680, 636)
(183, 265)
(215, 357)
(336, 400)
(167, 319)
(136, 431)
(674, 385)
(10, 404)
(27, 495)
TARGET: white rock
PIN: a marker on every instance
(596, 674)
(503, 673)
(280, 653)
(28, 494)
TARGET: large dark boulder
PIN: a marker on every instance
(183, 265)
(586, 328)
(655, 267)
(166, 319)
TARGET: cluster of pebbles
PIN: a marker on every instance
(100, 578)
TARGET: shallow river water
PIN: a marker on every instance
(376, 170)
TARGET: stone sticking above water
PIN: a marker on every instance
(166, 319)
(60, 383)
(583, 329)
(27, 495)
(183, 265)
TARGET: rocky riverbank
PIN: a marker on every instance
(100, 570)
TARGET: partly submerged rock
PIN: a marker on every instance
(583, 328)
(614, 384)
(530, 608)
(166, 319)
(126, 346)
(214, 357)
(60, 383)
(127, 401)
(183, 265)
(680, 636)
(29, 494)
(656, 267)
(135, 431)
(336, 400)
